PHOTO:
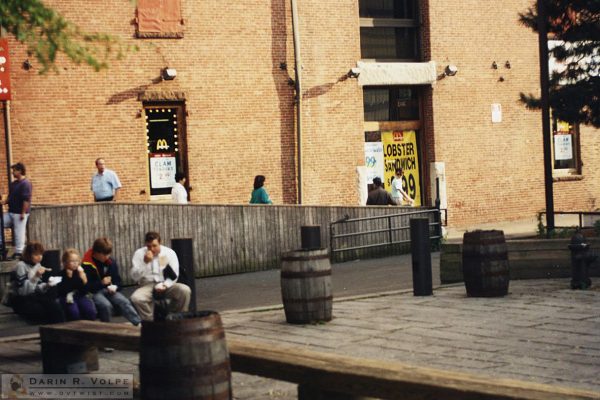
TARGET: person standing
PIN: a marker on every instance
(104, 282)
(398, 193)
(379, 196)
(156, 269)
(105, 183)
(178, 192)
(259, 194)
(19, 204)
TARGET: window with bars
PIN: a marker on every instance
(389, 30)
(390, 103)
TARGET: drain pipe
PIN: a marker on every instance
(7, 139)
(298, 99)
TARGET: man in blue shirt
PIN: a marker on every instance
(105, 183)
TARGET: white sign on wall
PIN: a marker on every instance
(496, 112)
(563, 147)
(162, 172)
(374, 160)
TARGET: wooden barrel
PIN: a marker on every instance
(485, 263)
(306, 286)
(185, 357)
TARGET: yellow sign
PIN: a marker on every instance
(161, 144)
(400, 150)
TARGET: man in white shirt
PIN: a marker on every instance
(398, 194)
(178, 192)
(156, 269)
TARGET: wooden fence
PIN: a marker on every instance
(227, 238)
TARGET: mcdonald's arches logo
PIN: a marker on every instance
(161, 144)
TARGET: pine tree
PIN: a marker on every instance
(46, 34)
(575, 90)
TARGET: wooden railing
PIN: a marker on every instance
(227, 238)
(319, 375)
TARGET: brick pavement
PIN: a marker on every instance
(541, 332)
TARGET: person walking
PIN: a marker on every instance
(156, 269)
(379, 196)
(259, 194)
(19, 204)
(105, 183)
(104, 282)
(398, 193)
(178, 192)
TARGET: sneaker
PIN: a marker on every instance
(107, 349)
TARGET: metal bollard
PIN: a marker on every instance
(421, 257)
(184, 249)
(581, 258)
(310, 237)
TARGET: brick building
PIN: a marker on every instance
(447, 77)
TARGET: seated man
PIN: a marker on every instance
(104, 282)
(156, 269)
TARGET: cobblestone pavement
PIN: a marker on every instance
(541, 332)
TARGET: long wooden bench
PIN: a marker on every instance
(315, 372)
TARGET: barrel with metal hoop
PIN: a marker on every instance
(485, 263)
(306, 286)
(185, 357)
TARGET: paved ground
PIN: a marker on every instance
(234, 292)
(541, 332)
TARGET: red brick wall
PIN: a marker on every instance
(495, 171)
(240, 107)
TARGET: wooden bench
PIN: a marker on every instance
(315, 372)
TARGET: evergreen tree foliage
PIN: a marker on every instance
(46, 34)
(574, 90)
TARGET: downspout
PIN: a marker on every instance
(7, 137)
(298, 99)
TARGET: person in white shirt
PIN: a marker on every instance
(156, 269)
(178, 192)
(398, 194)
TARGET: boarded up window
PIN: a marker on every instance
(159, 19)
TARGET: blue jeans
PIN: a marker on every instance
(106, 301)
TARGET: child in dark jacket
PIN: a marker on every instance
(72, 290)
(104, 282)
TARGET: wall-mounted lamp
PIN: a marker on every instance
(507, 64)
(27, 65)
(450, 70)
(494, 65)
(353, 73)
(168, 74)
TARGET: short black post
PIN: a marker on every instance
(421, 256)
(310, 237)
(51, 259)
(185, 253)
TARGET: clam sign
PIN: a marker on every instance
(5, 92)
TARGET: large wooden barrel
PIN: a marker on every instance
(306, 286)
(485, 263)
(185, 357)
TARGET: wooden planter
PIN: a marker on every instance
(529, 259)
